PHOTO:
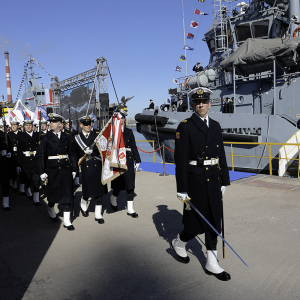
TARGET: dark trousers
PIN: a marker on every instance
(5, 186)
(130, 194)
(66, 206)
(28, 179)
(211, 238)
(98, 200)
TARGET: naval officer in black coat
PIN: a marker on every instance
(202, 175)
(126, 181)
(26, 157)
(56, 162)
(13, 137)
(91, 169)
(5, 167)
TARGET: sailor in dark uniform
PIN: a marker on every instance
(57, 163)
(72, 132)
(6, 167)
(151, 105)
(126, 181)
(181, 106)
(13, 136)
(96, 130)
(43, 128)
(26, 152)
(202, 175)
(91, 169)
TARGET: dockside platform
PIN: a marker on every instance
(128, 258)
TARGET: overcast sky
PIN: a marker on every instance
(141, 40)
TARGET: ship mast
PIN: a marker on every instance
(184, 39)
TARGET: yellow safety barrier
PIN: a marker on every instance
(270, 157)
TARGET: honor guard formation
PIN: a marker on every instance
(49, 158)
(52, 158)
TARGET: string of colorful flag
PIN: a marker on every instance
(35, 61)
(23, 79)
(190, 36)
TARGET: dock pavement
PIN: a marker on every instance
(128, 258)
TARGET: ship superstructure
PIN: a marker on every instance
(254, 60)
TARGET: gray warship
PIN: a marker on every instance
(254, 60)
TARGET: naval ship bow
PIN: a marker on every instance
(254, 60)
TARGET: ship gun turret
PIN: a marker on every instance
(201, 79)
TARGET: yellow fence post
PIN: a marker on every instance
(270, 159)
(153, 151)
(232, 167)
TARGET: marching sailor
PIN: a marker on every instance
(13, 136)
(6, 167)
(28, 142)
(201, 175)
(126, 181)
(91, 169)
(56, 162)
(72, 132)
(43, 128)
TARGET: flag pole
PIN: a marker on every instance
(184, 39)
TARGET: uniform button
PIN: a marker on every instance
(218, 177)
(59, 167)
(206, 168)
(58, 161)
(207, 179)
(95, 165)
(206, 157)
(206, 146)
(66, 159)
(87, 166)
(217, 145)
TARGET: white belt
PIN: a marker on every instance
(212, 161)
(58, 156)
(128, 149)
(29, 153)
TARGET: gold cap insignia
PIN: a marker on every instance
(51, 116)
(200, 92)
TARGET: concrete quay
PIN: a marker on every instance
(128, 258)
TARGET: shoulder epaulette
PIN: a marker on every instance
(215, 121)
(184, 121)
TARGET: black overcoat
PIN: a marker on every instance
(126, 181)
(13, 137)
(91, 169)
(5, 162)
(60, 180)
(203, 184)
(181, 107)
(27, 143)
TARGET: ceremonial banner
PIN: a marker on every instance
(112, 149)
(49, 98)
(194, 24)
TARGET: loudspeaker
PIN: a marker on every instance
(104, 100)
(49, 110)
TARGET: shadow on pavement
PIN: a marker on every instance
(168, 224)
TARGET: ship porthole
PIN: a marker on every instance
(241, 99)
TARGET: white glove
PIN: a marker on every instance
(136, 167)
(74, 174)
(182, 196)
(44, 177)
(223, 188)
(88, 151)
(8, 155)
(18, 170)
(3, 152)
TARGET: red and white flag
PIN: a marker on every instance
(194, 24)
(49, 97)
(112, 149)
